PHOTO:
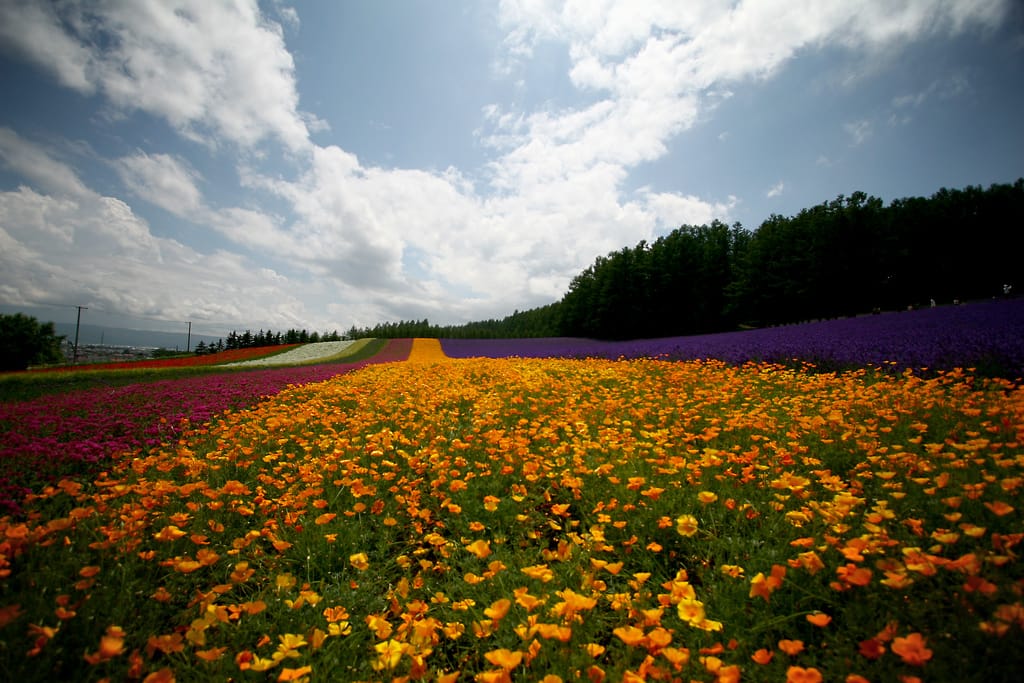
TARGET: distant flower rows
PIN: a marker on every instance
(988, 335)
(303, 353)
(72, 433)
(218, 358)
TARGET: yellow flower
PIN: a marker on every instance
(339, 628)
(359, 561)
(263, 664)
(686, 525)
(691, 611)
(388, 654)
(707, 497)
(169, 533)
(539, 572)
(290, 643)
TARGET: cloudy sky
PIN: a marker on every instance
(321, 164)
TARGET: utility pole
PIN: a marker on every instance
(77, 323)
(188, 339)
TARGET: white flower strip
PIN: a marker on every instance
(300, 354)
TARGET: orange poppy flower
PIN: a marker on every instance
(798, 674)
(912, 649)
(212, 654)
(819, 619)
(480, 548)
(763, 586)
(999, 508)
(630, 635)
(294, 674)
(498, 609)
(506, 659)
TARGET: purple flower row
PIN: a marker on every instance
(988, 335)
(75, 433)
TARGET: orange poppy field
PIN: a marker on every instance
(543, 520)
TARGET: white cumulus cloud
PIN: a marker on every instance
(213, 70)
(163, 180)
(371, 243)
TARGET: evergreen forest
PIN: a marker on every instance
(848, 256)
(250, 339)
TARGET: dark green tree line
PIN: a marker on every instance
(249, 339)
(677, 285)
(25, 341)
(535, 322)
(843, 257)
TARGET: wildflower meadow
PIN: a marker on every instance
(541, 519)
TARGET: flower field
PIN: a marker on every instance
(75, 433)
(316, 352)
(988, 335)
(186, 361)
(542, 520)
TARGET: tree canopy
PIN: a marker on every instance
(843, 257)
(24, 341)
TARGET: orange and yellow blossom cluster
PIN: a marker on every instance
(426, 351)
(498, 520)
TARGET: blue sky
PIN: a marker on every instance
(323, 164)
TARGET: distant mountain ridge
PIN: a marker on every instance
(120, 336)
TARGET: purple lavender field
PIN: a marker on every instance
(987, 335)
